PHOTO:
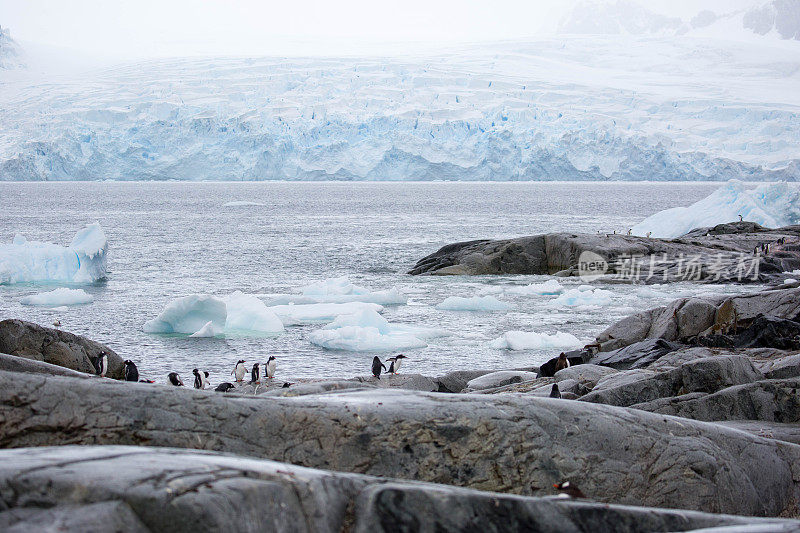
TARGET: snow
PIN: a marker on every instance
(10, 53)
(323, 312)
(531, 340)
(476, 303)
(203, 315)
(368, 331)
(771, 204)
(549, 287)
(58, 297)
(84, 261)
(624, 107)
(582, 296)
(340, 290)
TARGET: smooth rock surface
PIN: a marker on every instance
(588, 375)
(499, 379)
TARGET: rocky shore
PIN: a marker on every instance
(675, 419)
(722, 253)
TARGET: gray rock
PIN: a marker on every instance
(502, 443)
(769, 430)
(624, 377)
(636, 355)
(587, 375)
(457, 381)
(402, 381)
(153, 489)
(499, 379)
(12, 363)
(679, 357)
(773, 400)
(784, 367)
(32, 341)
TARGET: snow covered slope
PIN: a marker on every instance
(622, 107)
(10, 53)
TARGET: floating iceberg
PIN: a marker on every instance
(314, 313)
(530, 340)
(582, 296)
(549, 287)
(58, 297)
(476, 303)
(772, 205)
(83, 261)
(202, 313)
(367, 331)
(340, 290)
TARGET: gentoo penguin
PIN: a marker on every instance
(255, 374)
(562, 362)
(271, 364)
(101, 364)
(568, 489)
(224, 387)
(286, 384)
(175, 379)
(554, 392)
(376, 367)
(649, 233)
(741, 219)
(131, 372)
(200, 379)
(395, 362)
(239, 370)
(56, 323)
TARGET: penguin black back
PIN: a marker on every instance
(198, 380)
(131, 372)
(376, 367)
(554, 392)
(175, 379)
(224, 387)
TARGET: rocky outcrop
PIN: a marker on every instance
(69, 489)
(499, 379)
(718, 252)
(56, 347)
(511, 443)
(12, 363)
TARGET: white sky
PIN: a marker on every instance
(125, 28)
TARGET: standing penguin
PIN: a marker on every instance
(566, 488)
(255, 374)
(554, 392)
(101, 364)
(271, 364)
(175, 379)
(562, 362)
(131, 372)
(200, 379)
(395, 362)
(376, 367)
(239, 370)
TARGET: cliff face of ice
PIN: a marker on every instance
(10, 52)
(600, 107)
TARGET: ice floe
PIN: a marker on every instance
(339, 290)
(58, 297)
(582, 296)
(475, 303)
(315, 313)
(549, 287)
(771, 205)
(83, 261)
(531, 340)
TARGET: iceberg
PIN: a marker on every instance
(58, 297)
(582, 296)
(549, 287)
(340, 290)
(368, 331)
(530, 340)
(83, 261)
(771, 205)
(203, 315)
(314, 313)
(476, 303)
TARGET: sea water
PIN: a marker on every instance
(172, 239)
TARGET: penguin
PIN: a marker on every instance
(56, 323)
(224, 387)
(394, 366)
(271, 364)
(255, 374)
(200, 379)
(741, 219)
(286, 384)
(554, 392)
(630, 230)
(101, 364)
(131, 372)
(376, 367)
(649, 233)
(175, 379)
(239, 370)
(562, 362)
(568, 489)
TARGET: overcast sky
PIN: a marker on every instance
(251, 27)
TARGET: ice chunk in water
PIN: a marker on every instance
(58, 297)
(531, 340)
(476, 303)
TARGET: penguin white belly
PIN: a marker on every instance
(103, 365)
(397, 363)
(240, 371)
(271, 369)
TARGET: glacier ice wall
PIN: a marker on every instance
(598, 107)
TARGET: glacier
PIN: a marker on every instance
(204, 315)
(83, 261)
(531, 340)
(368, 331)
(58, 297)
(569, 107)
(771, 205)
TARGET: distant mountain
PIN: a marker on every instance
(621, 17)
(10, 52)
(780, 16)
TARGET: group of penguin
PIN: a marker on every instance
(394, 365)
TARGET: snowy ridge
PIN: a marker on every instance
(10, 52)
(601, 107)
